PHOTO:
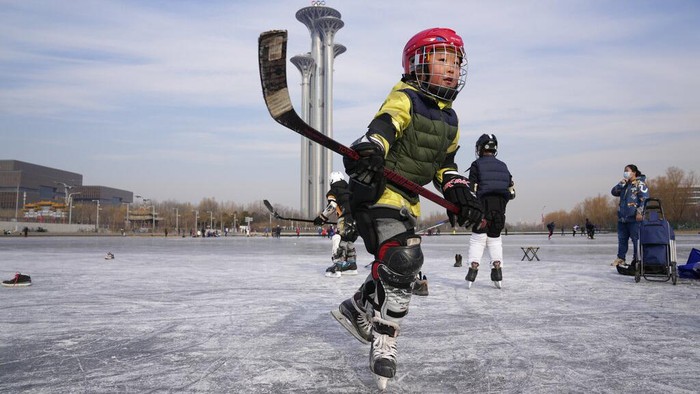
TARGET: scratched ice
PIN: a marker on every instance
(251, 315)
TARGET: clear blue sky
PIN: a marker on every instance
(163, 97)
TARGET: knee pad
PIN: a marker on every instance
(399, 262)
(394, 274)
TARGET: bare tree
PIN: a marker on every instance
(600, 210)
(674, 189)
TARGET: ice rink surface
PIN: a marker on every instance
(251, 315)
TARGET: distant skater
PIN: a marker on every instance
(343, 252)
(492, 182)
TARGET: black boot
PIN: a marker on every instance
(458, 260)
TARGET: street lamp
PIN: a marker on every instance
(70, 206)
(126, 218)
(177, 221)
(196, 221)
(66, 187)
(97, 221)
(211, 220)
(542, 215)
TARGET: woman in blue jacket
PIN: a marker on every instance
(633, 192)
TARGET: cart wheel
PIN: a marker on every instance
(637, 272)
(674, 273)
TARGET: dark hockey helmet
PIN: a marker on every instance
(487, 142)
(424, 48)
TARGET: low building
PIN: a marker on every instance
(23, 183)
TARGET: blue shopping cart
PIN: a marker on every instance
(657, 246)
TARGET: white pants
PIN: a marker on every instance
(479, 242)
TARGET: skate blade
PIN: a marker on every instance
(497, 284)
(381, 382)
(349, 272)
(348, 326)
(332, 275)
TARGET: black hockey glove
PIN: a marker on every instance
(319, 220)
(349, 232)
(456, 190)
(369, 168)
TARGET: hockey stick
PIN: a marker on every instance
(433, 226)
(272, 57)
(277, 215)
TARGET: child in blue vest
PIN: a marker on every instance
(493, 185)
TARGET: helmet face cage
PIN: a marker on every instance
(422, 65)
(487, 142)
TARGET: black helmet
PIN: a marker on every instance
(487, 142)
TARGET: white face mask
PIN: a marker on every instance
(627, 175)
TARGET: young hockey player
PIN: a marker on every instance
(493, 185)
(414, 133)
(343, 250)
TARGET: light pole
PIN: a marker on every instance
(19, 179)
(542, 215)
(97, 220)
(126, 218)
(177, 221)
(66, 187)
(70, 206)
(196, 221)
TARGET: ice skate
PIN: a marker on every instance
(497, 274)
(382, 355)
(617, 262)
(458, 260)
(420, 286)
(109, 256)
(333, 271)
(354, 320)
(471, 274)
(348, 268)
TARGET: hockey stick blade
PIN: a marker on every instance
(270, 208)
(277, 215)
(272, 57)
(433, 226)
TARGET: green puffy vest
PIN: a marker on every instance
(421, 151)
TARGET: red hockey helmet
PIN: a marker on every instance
(436, 35)
(417, 56)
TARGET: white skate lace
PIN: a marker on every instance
(364, 323)
(384, 347)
